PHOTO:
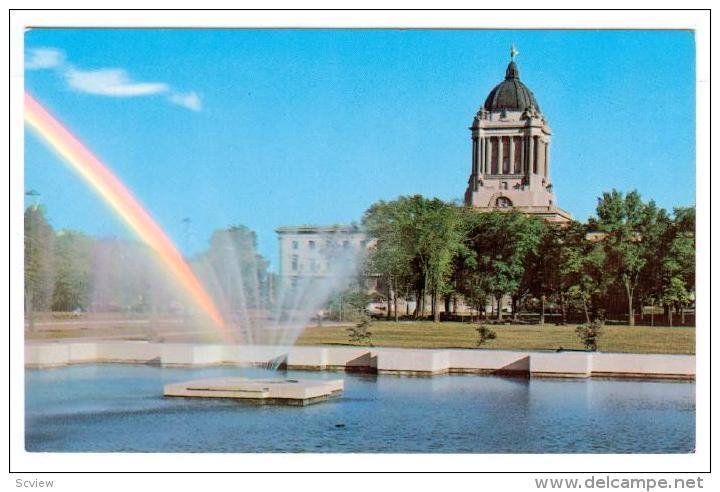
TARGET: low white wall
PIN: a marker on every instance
(47, 355)
(643, 364)
(308, 357)
(488, 360)
(127, 351)
(187, 354)
(385, 360)
(349, 357)
(412, 361)
(561, 364)
(82, 352)
(253, 355)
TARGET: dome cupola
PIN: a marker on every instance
(510, 167)
(511, 94)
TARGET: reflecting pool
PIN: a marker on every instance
(120, 408)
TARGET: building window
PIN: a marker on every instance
(293, 282)
(503, 202)
(346, 244)
(311, 244)
(503, 185)
(294, 263)
(294, 245)
(313, 265)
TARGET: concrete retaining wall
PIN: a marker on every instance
(308, 358)
(128, 351)
(184, 354)
(416, 362)
(413, 362)
(561, 364)
(83, 352)
(331, 358)
(500, 362)
(47, 355)
(254, 355)
(640, 365)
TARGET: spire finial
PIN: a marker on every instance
(513, 52)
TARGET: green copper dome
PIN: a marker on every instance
(511, 94)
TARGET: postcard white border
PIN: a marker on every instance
(33, 462)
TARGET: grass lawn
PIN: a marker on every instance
(425, 334)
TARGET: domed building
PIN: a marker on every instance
(510, 152)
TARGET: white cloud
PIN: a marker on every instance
(188, 100)
(43, 58)
(111, 82)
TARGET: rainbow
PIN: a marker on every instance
(102, 180)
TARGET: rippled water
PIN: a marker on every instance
(105, 408)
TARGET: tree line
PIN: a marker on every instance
(68, 270)
(630, 254)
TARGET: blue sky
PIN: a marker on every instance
(283, 127)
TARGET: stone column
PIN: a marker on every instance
(488, 155)
(500, 155)
(538, 156)
(474, 157)
(531, 154)
(481, 155)
(547, 159)
(490, 147)
(512, 155)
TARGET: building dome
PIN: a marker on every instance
(511, 94)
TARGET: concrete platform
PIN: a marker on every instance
(295, 392)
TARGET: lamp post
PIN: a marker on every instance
(34, 196)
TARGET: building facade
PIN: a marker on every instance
(511, 153)
(313, 252)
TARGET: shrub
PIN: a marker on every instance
(359, 334)
(485, 334)
(589, 334)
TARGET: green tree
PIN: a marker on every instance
(233, 265)
(677, 278)
(417, 240)
(73, 271)
(500, 243)
(627, 224)
(650, 284)
(581, 274)
(39, 262)
(391, 256)
(439, 243)
(470, 280)
(127, 276)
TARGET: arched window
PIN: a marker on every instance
(503, 202)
